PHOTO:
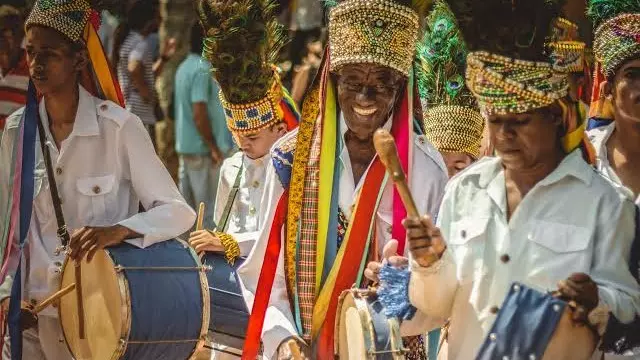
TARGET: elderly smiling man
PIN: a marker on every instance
(328, 189)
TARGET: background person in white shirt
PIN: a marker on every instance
(537, 214)
(104, 166)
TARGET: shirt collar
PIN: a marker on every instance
(86, 122)
(599, 138)
(572, 165)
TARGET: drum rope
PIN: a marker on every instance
(161, 341)
(163, 268)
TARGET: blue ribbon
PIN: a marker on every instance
(29, 121)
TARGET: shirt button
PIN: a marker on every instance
(252, 210)
(505, 258)
(463, 233)
(103, 107)
(389, 229)
(58, 171)
(256, 184)
(530, 236)
(494, 310)
(96, 189)
(421, 140)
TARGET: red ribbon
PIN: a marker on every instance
(401, 131)
(265, 282)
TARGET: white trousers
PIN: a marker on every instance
(46, 342)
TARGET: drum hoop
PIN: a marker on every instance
(206, 301)
(366, 322)
(125, 310)
(397, 345)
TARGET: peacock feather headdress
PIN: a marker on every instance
(617, 37)
(452, 121)
(242, 41)
(383, 32)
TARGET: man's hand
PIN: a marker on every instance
(217, 156)
(389, 253)
(583, 290)
(28, 318)
(203, 240)
(286, 350)
(425, 240)
(89, 239)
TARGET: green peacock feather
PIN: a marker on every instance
(242, 41)
(514, 28)
(600, 11)
(441, 60)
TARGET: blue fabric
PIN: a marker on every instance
(194, 84)
(393, 292)
(165, 305)
(523, 326)
(282, 160)
(30, 123)
(594, 123)
(230, 315)
(434, 343)
(381, 326)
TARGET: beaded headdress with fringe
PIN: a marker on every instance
(452, 121)
(242, 42)
(382, 32)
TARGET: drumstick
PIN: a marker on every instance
(200, 217)
(295, 350)
(56, 296)
(388, 153)
(80, 302)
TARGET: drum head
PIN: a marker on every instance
(352, 328)
(106, 317)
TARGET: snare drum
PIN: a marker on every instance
(140, 304)
(228, 324)
(533, 325)
(362, 329)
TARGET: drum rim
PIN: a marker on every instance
(365, 321)
(206, 301)
(125, 309)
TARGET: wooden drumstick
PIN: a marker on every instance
(386, 148)
(56, 296)
(200, 222)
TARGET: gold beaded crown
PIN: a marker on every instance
(567, 51)
(452, 122)
(68, 17)
(381, 32)
(617, 41)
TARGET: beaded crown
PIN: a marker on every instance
(242, 41)
(617, 37)
(382, 32)
(567, 51)
(68, 17)
(513, 73)
(452, 121)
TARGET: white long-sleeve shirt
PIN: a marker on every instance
(428, 179)
(571, 221)
(104, 170)
(245, 217)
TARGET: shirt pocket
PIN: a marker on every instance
(467, 242)
(94, 192)
(42, 199)
(557, 250)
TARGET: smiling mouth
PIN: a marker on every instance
(364, 112)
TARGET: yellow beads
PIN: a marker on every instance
(69, 18)
(616, 41)
(454, 129)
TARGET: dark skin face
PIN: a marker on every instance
(367, 95)
(11, 35)
(625, 93)
(456, 162)
(53, 63)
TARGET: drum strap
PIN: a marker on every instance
(222, 226)
(63, 232)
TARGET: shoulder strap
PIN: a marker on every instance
(63, 232)
(222, 226)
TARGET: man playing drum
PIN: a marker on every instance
(249, 85)
(332, 198)
(618, 144)
(537, 214)
(103, 166)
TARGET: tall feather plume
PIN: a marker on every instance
(514, 28)
(442, 54)
(600, 11)
(242, 41)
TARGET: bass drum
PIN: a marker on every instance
(139, 304)
(363, 331)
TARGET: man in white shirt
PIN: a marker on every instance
(104, 167)
(537, 214)
(329, 187)
(618, 144)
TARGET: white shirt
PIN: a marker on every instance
(571, 221)
(104, 170)
(245, 217)
(428, 178)
(599, 137)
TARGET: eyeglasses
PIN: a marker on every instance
(381, 89)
